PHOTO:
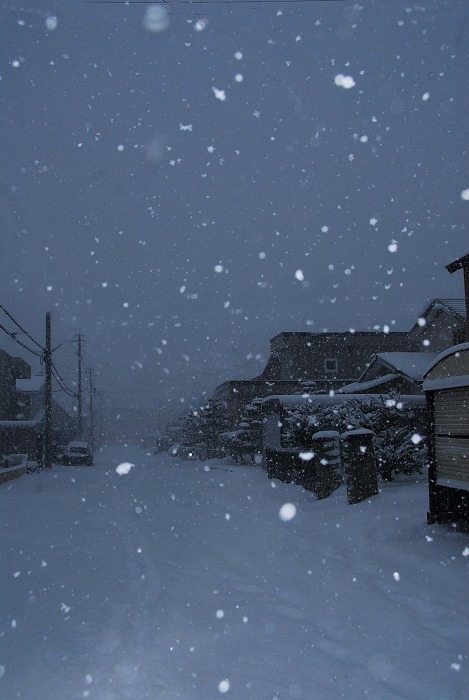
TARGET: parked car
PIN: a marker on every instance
(77, 453)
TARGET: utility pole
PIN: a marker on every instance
(100, 417)
(48, 395)
(80, 397)
(91, 411)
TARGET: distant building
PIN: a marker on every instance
(441, 325)
(329, 359)
(31, 397)
(22, 409)
(347, 361)
(326, 359)
(11, 369)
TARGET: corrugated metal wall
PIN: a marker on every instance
(452, 434)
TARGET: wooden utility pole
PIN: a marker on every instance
(80, 396)
(91, 411)
(48, 395)
(462, 264)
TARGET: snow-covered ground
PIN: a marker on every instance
(182, 580)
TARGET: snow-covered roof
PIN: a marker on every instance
(413, 364)
(18, 423)
(292, 400)
(453, 381)
(446, 353)
(34, 384)
(364, 386)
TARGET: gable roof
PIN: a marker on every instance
(410, 364)
(453, 307)
(364, 386)
(456, 306)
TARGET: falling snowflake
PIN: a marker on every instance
(344, 81)
(219, 94)
(287, 512)
(51, 23)
(124, 468)
(224, 686)
(200, 25)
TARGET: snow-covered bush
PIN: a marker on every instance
(399, 447)
(301, 422)
(251, 423)
(204, 426)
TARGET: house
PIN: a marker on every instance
(30, 397)
(441, 325)
(329, 359)
(11, 369)
(351, 361)
(23, 423)
(401, 372)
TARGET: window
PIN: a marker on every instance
(331, 364)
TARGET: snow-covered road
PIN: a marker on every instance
(180, 580)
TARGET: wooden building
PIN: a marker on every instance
(446, 385)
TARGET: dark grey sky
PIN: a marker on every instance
(179, 231)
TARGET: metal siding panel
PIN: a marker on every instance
(452, 411)
(452, 458)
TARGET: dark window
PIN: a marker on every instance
(331, 364)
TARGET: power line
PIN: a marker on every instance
(61, 382)
(13, 337)
(21, 327)
(57, 376)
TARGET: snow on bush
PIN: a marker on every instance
(399, 446)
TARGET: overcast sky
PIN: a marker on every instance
(181, 182)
